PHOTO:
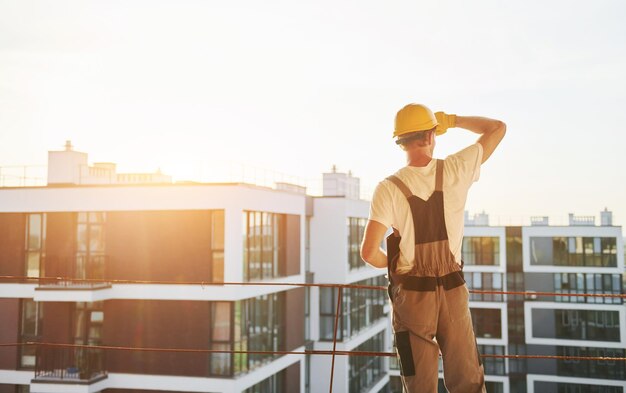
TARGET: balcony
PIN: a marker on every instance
(69, 365)
(83, 268)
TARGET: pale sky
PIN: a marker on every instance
(297, 86)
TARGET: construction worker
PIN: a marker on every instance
(424, 203)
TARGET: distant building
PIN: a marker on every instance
(579, 258)
(336, 231)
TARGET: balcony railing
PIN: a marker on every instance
(83, 268)
(79, 365)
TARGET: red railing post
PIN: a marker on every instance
(337, 313)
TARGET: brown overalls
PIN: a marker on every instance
(432, 301)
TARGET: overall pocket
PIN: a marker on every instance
(403, 347)
(457, 300)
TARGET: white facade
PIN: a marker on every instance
(329, 263)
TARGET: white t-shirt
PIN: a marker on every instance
(391, 208)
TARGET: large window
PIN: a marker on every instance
(253, 324)
(271, 245)
(594, 283)
(35, 244)
(487, 322)
(570, 387)
(258, 327)
(484, 282)
(220, 334)
(609, 369)
(493, 366)
(90, 246)
(87, 324)
(365, 371)
(356, 229)
(88, 319)
(360, 307)
(481, 250)
(594, 325)
(272, 384)
(574, 251)
(30, 330)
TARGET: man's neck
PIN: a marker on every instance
(419, 160)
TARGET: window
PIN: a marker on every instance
(87, 325)
(593, 325)
(574, 251)
(88, 319)
(274, 383)
(481, 250)
(365, 371)
(217, 245)
(588, 283)
(484, 281)
(30, 330)
(487, 322)
(591, 369)
(570, 387)
(493, 366)
(257, 327)
(360, 308)
(35, 244)
(307, 313)
(356, 229)
(90, 247)
(221, 322)
(265, 241)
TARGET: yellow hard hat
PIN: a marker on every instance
(414, 117)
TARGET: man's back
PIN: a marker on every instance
(390, 208)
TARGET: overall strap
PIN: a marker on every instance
(405, 190)
(439, 176)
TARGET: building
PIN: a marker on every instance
(138, 258)
(336, 231)
(580, 258)
(173, 236)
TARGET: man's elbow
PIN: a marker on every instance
(370, 255)
(500, 128)
(367, 254)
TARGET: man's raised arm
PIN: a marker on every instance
(491, 131)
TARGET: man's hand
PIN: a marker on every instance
(445, 121)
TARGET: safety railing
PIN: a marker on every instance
(80, 272)
(63, 367)
(71, 364)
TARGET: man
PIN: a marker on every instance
(424, 203)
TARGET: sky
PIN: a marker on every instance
(298, 86)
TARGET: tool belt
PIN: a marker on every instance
(425, 284)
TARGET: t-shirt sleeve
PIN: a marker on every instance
(467, 163)
(381, 206)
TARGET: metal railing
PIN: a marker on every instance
(75, 362)
(78, 364)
